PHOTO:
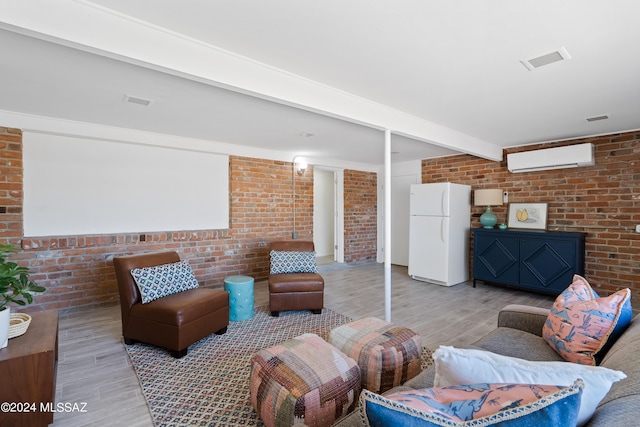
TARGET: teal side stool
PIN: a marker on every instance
(240, 290)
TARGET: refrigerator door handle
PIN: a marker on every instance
(442, 201)
(442, 230)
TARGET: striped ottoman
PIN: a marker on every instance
(388, 355)
(304, 380)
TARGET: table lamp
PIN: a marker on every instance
(488, 197)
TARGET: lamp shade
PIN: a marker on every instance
(488, 197)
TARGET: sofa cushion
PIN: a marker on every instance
(296, 282)
(622, 411)
(475, 404)
(581, 326)
(462, 366)
(292, 262)
(623, 356)
(423, 380)
(162, 280)
(183, 307)
(517, 343)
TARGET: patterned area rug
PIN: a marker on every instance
(210, 386)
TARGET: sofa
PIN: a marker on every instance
(519, 334)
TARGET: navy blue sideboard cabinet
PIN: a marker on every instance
(539, 261)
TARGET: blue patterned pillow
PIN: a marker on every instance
(162, 280)
(293, 262)
(507, 405)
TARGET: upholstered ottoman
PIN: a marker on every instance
(388, 355)
(304, 380)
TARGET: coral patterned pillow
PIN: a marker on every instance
(581, 327)
(475, 405)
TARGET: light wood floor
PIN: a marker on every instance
(93, 366)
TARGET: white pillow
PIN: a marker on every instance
(461, 366)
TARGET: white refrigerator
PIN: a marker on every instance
(440, 227)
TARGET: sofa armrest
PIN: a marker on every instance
(523, 317)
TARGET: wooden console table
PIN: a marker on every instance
(28, 373)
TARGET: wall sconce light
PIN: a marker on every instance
(488, 197)
(301, 168)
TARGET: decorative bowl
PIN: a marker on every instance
(18, 324)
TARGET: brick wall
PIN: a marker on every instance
(360, 216)
(10, 182)
(78, 270)
(602, 200)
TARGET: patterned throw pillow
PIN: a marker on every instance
(162, 280)
(470, 366)
(581, 327)
(481, 404)
(293, 262)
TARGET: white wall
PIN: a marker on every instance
(75, 185)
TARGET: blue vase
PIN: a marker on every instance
(488, 219)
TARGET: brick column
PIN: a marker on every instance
(11, 192)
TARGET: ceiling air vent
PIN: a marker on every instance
(546, 59)
(596, 118)
(136, 100)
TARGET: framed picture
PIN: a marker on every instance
(528, 215)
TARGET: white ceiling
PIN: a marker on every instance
(443, 76)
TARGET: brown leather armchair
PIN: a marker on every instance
(174, 321)
(295, 291)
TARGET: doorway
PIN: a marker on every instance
(328, 208)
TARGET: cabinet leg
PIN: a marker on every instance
(474, 282)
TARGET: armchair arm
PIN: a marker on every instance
(523, 317)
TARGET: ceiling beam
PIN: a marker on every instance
(83, 25)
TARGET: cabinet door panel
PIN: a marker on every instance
(547, 265)
(496, 259)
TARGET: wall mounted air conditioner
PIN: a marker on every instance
(570, 156)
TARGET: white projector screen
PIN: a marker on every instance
(86, 186)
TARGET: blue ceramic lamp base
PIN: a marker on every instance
(488, 219)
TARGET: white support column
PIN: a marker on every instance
(387, 225)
